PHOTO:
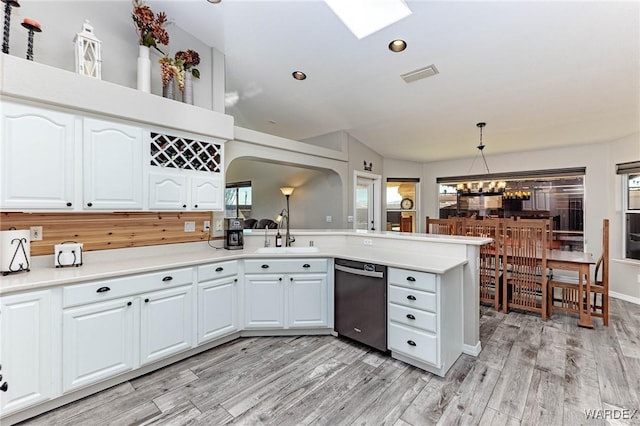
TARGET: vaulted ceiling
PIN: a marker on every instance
(540, 74)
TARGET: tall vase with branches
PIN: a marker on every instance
(151, 32)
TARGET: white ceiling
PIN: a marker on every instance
(541, 73)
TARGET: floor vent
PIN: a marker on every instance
(420, 73)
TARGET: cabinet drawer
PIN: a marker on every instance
(121, 287)
(419, 280)
(415, 343)
(413, 317)
(412, 298)
(280, 266)
(217, 270)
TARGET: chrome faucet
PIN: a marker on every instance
(266, 240)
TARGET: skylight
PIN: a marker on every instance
(365, 17)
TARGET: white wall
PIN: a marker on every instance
(61, 20)
(603, 197)
(318, 193)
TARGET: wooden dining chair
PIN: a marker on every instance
(564, 294)
(451, 226)
(490, 256)
(525, 258)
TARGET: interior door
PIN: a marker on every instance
(364, 204)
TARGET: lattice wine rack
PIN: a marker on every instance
(183, 153)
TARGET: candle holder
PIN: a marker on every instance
(8, 4)
(33, 27)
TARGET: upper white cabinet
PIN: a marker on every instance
(185, 173)
(37, 158)
(112, 166)
(26, 352)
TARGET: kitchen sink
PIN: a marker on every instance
(287, 250)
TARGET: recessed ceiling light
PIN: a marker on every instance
(214, 1)
(397, 45)
(299, 75)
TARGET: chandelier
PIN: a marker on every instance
(479, 188)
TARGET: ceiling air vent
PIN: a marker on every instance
(420, 73)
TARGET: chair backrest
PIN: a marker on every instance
(267, 223)
(406, 224)
(548, 223)
(602, 265)
(250, 223)
(526, 243)
(450, 226)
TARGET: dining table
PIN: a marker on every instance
(579, 262)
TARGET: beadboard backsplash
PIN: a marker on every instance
(102, 231)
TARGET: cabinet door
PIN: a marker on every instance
(217, 311)
(37, 157)
(206, 193)
(26, 350)
(307, 300)
(167, 192)
(166, 323)
(98, 342)
(112, 166)
(264, 301)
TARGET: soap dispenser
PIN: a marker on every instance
(278, 239)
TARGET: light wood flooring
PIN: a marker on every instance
(529, 373)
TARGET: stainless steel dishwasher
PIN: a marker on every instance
(361, 302)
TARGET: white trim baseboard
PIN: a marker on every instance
(472, 350)
(625, 297)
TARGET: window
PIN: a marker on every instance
(631, 207)
(556, 194)
(402, 204)
(237, 199)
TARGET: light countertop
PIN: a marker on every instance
(111, 263)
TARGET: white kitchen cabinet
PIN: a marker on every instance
(290, 293)
(26, 352)
(116, 325)
(425, 318)
(185, 173)
(165, 323)
(183, 190)
(264, 301)
(167, 191)
(207, 192)
(308, 300)
(99, 341)
(217, 300)
(37, 155)
(112, 166)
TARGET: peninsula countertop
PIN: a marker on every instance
(331, 244)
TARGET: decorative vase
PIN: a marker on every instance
(167, 89)
(144, 69)
(187, 93)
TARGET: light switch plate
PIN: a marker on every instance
(189, 226)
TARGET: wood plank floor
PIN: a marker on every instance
(529, 373)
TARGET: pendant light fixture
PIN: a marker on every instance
(476, 188)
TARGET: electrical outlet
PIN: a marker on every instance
(36, 233)
(219, 224)
(206, 225)
(367, 242)
(350, 219)
(189, 227)
(329, 219)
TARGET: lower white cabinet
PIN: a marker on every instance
(99, 341)
(308, 301)
(107, 338)
(264, 301)
(425, 318)
(217, 300)
(165, 323)
(26, 356)
(295, 296)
